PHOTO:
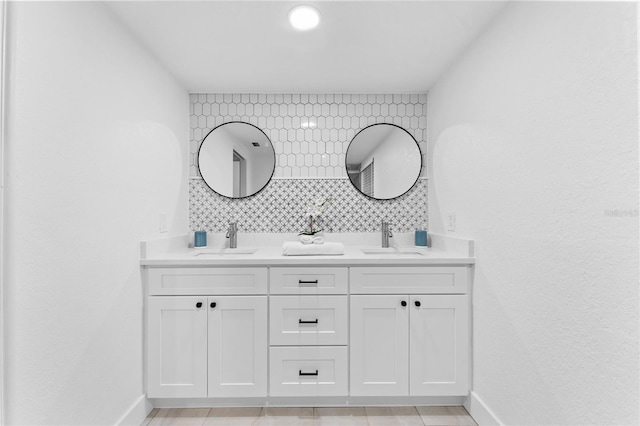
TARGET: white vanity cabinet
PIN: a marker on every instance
(213, 344)
(409, 344)
(307, 331)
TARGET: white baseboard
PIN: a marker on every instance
(136, 414)
(480, 412)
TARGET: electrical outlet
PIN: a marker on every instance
(162, 223)
(451, 221)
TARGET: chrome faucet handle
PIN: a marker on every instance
(233, 228)
(232, 234)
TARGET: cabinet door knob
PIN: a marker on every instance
(403, 303)
(199, 305)
(418, 303)
(213, 304)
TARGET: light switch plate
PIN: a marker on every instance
(162, 223)
(451, 221)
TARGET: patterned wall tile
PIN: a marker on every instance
(282, 207)
(310, 134)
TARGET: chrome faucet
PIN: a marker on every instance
(386, 233)
(232, 234)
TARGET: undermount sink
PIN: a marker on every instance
(226, 252)
(392, 251)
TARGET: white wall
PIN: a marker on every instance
(533, 141)
(260, 167)
(217, 161)
(2, 246)
(95, 151)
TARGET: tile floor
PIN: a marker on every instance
(324, 416)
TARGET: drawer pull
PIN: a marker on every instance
(315, 321)
(312, 282)
(307, 374)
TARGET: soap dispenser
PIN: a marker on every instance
(421, 236)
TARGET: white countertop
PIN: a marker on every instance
(266, 250)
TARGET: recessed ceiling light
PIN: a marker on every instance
(304, 18)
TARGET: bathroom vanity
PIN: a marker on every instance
(251, 326)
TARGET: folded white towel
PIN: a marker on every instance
(306, 239)
(318, 240)
(296, 248)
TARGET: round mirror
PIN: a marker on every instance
(383, 161)
(236, 159)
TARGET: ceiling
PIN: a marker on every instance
(359, 47)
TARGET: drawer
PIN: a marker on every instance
(308, 280)
(308, 371)
(308, 320)
(412, 280)
(202, 281)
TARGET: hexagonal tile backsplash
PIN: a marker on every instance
(310, 134)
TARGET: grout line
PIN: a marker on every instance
(315, 414)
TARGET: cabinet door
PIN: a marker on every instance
(237, 346)
(177, 347)
(379, 345)
(439, 345)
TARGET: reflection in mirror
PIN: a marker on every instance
(236, 159)
(383, 161)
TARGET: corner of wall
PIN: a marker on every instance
(479, 411)
(136, 414)
(3, 5)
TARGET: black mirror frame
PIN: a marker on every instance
(273, 150)
(419, 151)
